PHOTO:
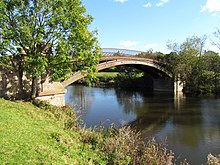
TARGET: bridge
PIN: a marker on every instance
(54, 91)
(153, 67)
(122, 52)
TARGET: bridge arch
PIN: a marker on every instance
(54, 92)
(148, 65)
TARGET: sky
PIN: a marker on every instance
(150, 24)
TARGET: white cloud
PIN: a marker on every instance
(148, 4)
(161, 3)
(158, 4)
(150, 46)
(127, 43)
(121, 1)
(211, 6)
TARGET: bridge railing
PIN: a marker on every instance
(118, 52)
(133, 53)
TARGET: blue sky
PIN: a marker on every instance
(145, 24)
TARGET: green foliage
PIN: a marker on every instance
(152, 55)
(47, 36)
(198, 69)
(106, 79)
(127, 75)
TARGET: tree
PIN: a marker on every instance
(45, 37)
(197, 68)
(216, 39)
(210, 75)
(185, 59)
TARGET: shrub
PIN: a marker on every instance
(213, 160)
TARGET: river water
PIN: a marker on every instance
(190, 126)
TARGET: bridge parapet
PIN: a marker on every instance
(118, 52)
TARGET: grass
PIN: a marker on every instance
(39, 133)
(107, 74)
(30, 135)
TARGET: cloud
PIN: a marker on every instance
(127, 43)
(212, 6)
(150, 46)
(161, 3)
(121, 1)
(148, 4)
(158, 4)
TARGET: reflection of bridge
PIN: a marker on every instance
(111, 57)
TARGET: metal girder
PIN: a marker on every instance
(118, 52)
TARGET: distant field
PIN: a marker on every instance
(107, 74)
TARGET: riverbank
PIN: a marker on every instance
(116, 80)
(44, 134)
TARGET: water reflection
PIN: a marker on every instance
(190, 125)
(81, 99)
(129, 100)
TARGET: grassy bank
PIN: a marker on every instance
(30, 135)
(105, 79)
(44, 134)
(107, 74)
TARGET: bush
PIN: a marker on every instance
(125, 146)
(213, 160)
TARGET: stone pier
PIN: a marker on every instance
(53, 92)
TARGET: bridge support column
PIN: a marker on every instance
(53, 99)
(178, 87)
(52, 92)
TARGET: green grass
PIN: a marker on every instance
(30, 135)
(107, 74)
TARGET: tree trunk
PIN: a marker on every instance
(17, 64)
(34, 88)
(20, 78)
(20, 85)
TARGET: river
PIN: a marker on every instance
(190, 126)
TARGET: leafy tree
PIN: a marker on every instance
(197, 68)
(184, 61)
(210, 75)
(152, 55)
(43, 37)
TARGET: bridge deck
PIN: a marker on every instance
(104, 58)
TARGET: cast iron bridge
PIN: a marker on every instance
(116, 57)
(122, 52)
(54, 92)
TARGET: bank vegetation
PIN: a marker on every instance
(38, 133)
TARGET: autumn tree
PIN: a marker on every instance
(43, 37)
